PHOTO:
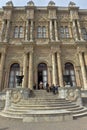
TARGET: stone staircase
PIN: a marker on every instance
(44, 106)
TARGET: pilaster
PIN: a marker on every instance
(25, 73)
(60, 74)
(30, 81)
(83, 70)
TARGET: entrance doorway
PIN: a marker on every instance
(70, 74)
(14, 70)
(42, 74)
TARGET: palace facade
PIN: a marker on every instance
(45, 44)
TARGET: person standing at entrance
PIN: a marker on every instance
(41, 85)
(47, 87)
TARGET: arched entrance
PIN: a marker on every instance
(14, 70)
(70, 74)
(42, 74)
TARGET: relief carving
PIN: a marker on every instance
(63, 17)
(7, 14)
(52, 14)
(30, 14)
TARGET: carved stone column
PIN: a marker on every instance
(78, 78)
(6, 78)
(54, 71)
(56, 33)
(83, 70)
(2, 69)
(51, 37)
(30, 81)
(75, 31)
(2, 30)
(79, 29)
(60, 74)
(49, 75)
(31, 31)
(7, 30)
(26, 33)
(25, 73)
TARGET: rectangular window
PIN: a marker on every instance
(61, 32)
(64, 32)
(84, 33)
(41, 32)
(16, 32)
(21, 32)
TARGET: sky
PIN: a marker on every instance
(81, 3)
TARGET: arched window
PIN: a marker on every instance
(14, 70)
(69, 72)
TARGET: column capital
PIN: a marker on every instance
(81, 49)
(55, 50)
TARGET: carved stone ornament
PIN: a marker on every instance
(72, 95)
(51, 3)
(30, 3)
(72, 4)
(16, 96)
(9, 3)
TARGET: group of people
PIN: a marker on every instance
(53, 88)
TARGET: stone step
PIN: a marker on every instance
(80, 111)
(75, 116)
(77, 108)
(44, 103)
(32, 114)
(44, 99)
(43, 108)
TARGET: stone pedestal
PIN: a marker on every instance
(7, 100)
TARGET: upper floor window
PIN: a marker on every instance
(41, 32)
(18, 32)
(84, 33)
(64, 32)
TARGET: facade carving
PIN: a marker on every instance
(45, 44)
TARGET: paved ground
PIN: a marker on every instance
(16, 124)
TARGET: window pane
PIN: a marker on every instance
(21, 32)
(67, 72)
(72, 72)
(44, 72)
(84, 33)
(39, 32)
(66, 32)
(73, 78)
(43, 32)
(16, 30)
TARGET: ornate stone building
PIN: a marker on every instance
(45, 44)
